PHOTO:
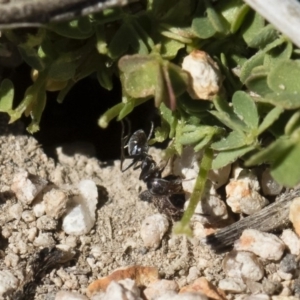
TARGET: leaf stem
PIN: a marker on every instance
(182, 227)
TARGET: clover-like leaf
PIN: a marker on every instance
(245, 108)
(284, 99)
(285, 77)
(265, 36)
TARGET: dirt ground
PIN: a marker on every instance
(115, 239)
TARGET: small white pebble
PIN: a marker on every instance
(243, 265)
(232, 285)
(265, 245)
(65, 295)
(294, 214)
(27, 186)
(183, 296)
(153, 229)
(15, 211)
(8, 283)
(292, 241)
(39, 209)
(205, 76)
(80, 216)
(193, 274)
(28, 216)
(160, 287)
(268, 185)
(44, 240)
(243, 196)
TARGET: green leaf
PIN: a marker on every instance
(293, 123)
(104, 76)
(226, 157)
(239, 18)
(63, 93)
(287, 172)
(286, 100)
(285, 76)
(6, 95)
(257, 83)
(275, 55)
(31, 57)
(265, 36)
(269, 119)
(226, 115)
(273, 153)
(217, 20)
(232, 141)
(245, 108)
(252, 24)
(170, 48)
(139, 75)
(254, 61)
(63, 68)
(37, 109)
(76, 29)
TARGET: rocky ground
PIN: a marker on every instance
(41, 257)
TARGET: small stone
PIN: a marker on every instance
(292, 241)
(80, 216)
(253, 286)
(205, 76)
(27, 186)
(289, 263)
(28, 216)
(122, 290)
(271, 287)
(220, 176)
(184, 296)
(258, 297)
(205, 287)
(284, 275)
(232, 285)
(268, 185)
(46, 223)
(193, 274)
(161, 287)
(65, 295)
(265, 245)
(243, 265)
(31, 234)
(15, 211)
(44, 240)
(211, 209)
(143, 276)
(11, 260)
(67, 252)
(153, 229)
(39, 209)
(294, 214)
(56, 203)
(242, 194)
(8, 283)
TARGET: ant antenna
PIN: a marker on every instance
(124, 139)
(151, 131)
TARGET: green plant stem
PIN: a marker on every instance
(182, 227)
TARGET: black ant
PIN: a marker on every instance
(166, 193)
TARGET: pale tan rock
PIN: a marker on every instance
(205, 76)
(202, 285)
(161, 287)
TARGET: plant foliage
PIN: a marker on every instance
(256, 115)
